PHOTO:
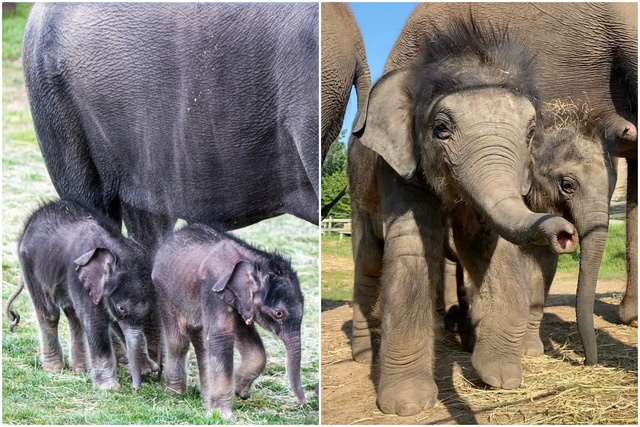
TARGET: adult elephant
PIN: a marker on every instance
(152, 112)
(445, 136)
(590, 56)
(344, 64)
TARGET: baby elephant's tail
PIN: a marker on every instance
(12, 317)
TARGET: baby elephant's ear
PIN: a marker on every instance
(236, 289)
(94, 269)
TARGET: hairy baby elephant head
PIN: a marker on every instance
(266, 290)
(463, 115)
(122, 284)
(574, 176)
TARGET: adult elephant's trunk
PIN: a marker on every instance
(494, 181)
(291, 339)
(593, 235)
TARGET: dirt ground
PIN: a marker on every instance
(348, 388)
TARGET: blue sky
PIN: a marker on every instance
(380, 24)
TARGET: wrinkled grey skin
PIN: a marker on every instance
(589, 53)
(344, 64)
(212, 288)
(74, 260)
(446, 136)
(152, 112)
(573, 176)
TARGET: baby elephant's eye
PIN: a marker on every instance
(441, 130)
(442, 126)
(278, 314)
(569, 185)
(121, 309)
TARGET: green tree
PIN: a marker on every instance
(336, 160)
(334, 178)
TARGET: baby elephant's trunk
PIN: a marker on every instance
(291, 339)
(13, 318)
(135, 340)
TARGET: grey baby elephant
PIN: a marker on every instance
(76, 260)
(212, 287)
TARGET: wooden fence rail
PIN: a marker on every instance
(340, 226)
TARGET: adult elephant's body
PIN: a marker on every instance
(344, 64)
(589, 53)
(204, 112)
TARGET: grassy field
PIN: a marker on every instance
(32, 396)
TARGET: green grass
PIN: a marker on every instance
(614, 261)
(333, 245)
(337, 286)
(32, 396)
(13, 30)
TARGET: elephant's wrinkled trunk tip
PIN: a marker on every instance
(565, 241)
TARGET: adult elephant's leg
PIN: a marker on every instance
(540, 268)
(367, 256)
(412, 268)
(500, 308)
(628, 311)
(145, 227)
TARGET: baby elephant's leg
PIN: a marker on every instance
(119, 347)
(219, 338)
(540, 267)
(50, 350)
(254, 358)
(77, 348)
(48, 316)
(103, 360)
(201, 356)
(177, 341)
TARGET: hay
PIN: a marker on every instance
(559, 114)
(556, 388)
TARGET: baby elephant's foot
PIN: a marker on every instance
(243, 391)
(407, 396)
(532, 346)
(176, 386)
(109, 385)
(628, 314)
(361, 350)
(52, 365)
(498, 370)
(148, 366)
(226, 413)
(78, 367)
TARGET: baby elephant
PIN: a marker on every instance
(78, 261)
(212, 287)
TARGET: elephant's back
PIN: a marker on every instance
(181, 104)
(567, 37)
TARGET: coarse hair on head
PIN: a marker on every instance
(467, 55)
